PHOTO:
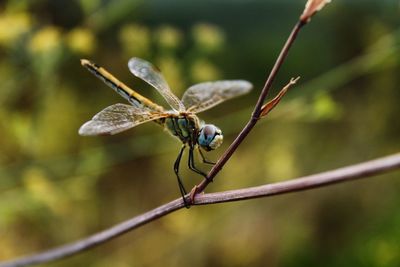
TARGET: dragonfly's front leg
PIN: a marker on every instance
(191, 163)
(205, 160)
(176, 170)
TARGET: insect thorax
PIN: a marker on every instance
(185, 127)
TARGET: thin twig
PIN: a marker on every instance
(349, 173)
(96, 239)
(255, 115)
(357, 171)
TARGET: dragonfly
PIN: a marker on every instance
(180, 120)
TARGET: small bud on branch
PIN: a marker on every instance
(312, 7)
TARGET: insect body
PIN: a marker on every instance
(181, 121)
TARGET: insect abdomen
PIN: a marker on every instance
(129, 94)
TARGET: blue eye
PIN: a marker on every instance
(210, 137)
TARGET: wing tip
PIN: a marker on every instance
(83, 130)
(247, 86)
(86, 130)
(244, 85)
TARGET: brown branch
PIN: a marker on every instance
(349, 173)
(312, 6)
(96, 239)
(254, 117)
(357, 171)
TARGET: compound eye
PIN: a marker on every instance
(208, 132)
(210, 137)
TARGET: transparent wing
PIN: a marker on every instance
(118, 118)
(203, 96)
(148, 73)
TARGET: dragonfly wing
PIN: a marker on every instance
(150, 74)
(203, 96)
(118, 118)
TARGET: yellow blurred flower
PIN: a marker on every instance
(36, 182)
(168, 37)
(44, 191)
(135, 40)
(325, 107)
(280, 162)
(40, 188)
(386, 253)
(81, 40)
(208, 37)
(203, 70)
(45, 39)
(12, 26)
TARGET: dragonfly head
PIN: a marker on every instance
(210, 137)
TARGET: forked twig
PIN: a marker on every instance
(256, 115)
(311, 8)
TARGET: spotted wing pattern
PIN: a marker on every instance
(150, 74)
(203, 96)
(118, 118)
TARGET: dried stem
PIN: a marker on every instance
(254, 117)
(357, 171)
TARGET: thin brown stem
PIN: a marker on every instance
(256, 112)
(349, 173)
(357, 171)
(96, 239)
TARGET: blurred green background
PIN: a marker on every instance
(57, 187)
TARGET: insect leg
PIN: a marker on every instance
(191, 163)
(205, 160)
(176, 170)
